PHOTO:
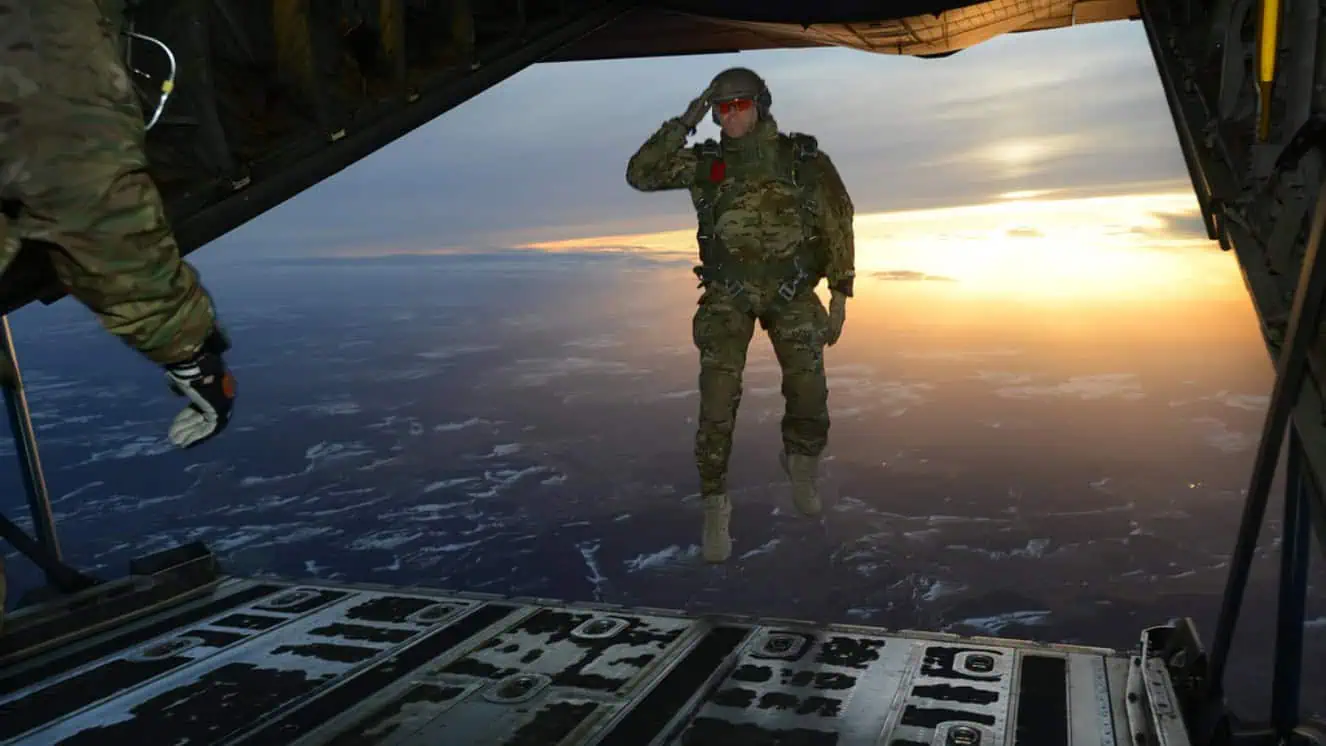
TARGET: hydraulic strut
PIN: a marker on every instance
(44, 551)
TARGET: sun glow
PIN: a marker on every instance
(1107, 246)
(1135, 246)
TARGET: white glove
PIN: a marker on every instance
(210, 389)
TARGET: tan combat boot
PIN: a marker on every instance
(802, 470)
(715, 543)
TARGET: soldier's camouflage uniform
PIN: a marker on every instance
(778, 209)
(72, 160)
(72, 155)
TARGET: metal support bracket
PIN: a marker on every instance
(44, 551)
(1295, 549)
(1292, 369)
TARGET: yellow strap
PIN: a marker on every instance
(1268, 35)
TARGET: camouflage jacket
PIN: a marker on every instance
(759, 215)
(72, 156)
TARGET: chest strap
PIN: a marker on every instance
(716, 265)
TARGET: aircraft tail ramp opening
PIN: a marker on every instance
(178, 651)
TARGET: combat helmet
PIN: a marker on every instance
(740, 82)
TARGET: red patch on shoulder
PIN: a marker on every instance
(717, 170)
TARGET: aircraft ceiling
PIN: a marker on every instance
(911, 27)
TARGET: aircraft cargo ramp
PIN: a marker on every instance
(178, 652)
(256, 662)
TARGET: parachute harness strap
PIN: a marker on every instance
(804, 148)
(797, 150)
(713, 253)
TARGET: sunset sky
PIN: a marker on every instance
(1040, 165)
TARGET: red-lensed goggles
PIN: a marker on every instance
(736, 104)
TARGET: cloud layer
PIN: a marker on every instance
(542, 157)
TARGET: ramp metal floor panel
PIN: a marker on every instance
(252, 662)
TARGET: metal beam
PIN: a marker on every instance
(198, 81)
(462, 33)
(25, 444)
(391, 26)
(296, 58)
(1304, 321)
(44, 551)
(1183, 109)
(1295, 551)
(58, 575)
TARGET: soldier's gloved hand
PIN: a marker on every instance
(837, 316)
(699, 106)
(210, 388)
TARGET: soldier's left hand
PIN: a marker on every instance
(837, 316)
(210, 388)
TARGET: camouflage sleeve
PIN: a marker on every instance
(664, 161)
(836, 213)
(120, 260)
(82, 180)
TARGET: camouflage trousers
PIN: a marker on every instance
(72, 158)
(722, 331)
